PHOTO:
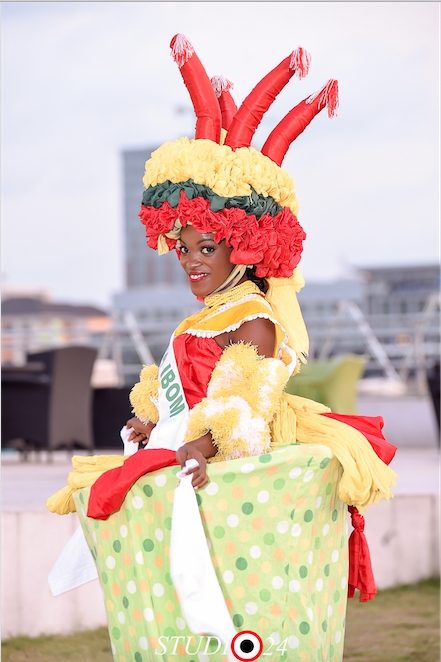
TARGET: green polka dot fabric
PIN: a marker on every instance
(277, 536)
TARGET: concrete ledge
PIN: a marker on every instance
(402, 534)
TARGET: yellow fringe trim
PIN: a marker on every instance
(226, 172)
(144, 395)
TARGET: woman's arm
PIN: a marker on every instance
(199, 449)
(260, 333)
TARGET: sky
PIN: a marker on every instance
(83, 81)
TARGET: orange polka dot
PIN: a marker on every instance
(334, 623)
(325, 476)
(309, 585)
(159, 507)
(137, 529)
(116, 589)
(253, 580)
(273, 511)
(217, 560)
(149, 573)
(314, 488)
(148, 518)
(332, 502)
(127, 559)
(257, 523)
(153, 641)
(266, 567)
(239, 592)
(230, 548)
(100, 549)
(293, 613)
(131, 630)
(121, 574)
(237, 492)
(314, 571)
(279, 554)
(137, 615)
(313, 530)
(294, 557)
(300, 502)
(181, 650)
(341, 609)
(272, 470)
(170, 495)
(143, 585)
(221, 465)
(287, 498)
(338, 528)
(109, 605)
(159, 562)
(332, 582)
(291, 459)
(254, 481)
(305, 543)
(229, 604)
(222, 504)
(322, 515)
(170, 606)
(177, 597)
(276, 610)
(263, 623)
(167, 551)
(207, 515)
(159, 617)
(105, 534)
(243, 536)
(131, 543)
(322, 556)
(122, 658)
(325, 598)
(305, 656)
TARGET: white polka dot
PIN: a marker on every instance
(263, 496)
(143, 643)
(123, 531)
(203, 657)
(310, 613)
(209, 545)
(334, 556)
(325, 530)
(137, 502)
(131, 587)
(295, 473)
(340, 503)
(251, 608)
(343, 582)
(296, 530)
(293, 642)
(294, 586)
(255, 552)
(232, 520)
(247, 468)
(282, 450)
(180, 623)
(212, 488)
(161, 480)
(228, 577)
(283, 527)
(148, 614)
(94, 536)
(113, 648)
(275, 636)
(319, 584)
(139, 557)
(110, 562)
(308, 475)
(121, 617)
(83, 513)
(277, 582)
(337, 637)
(158, 590)
(329, 612)
(318, 502)
(159, 535)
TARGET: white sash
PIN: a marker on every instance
(172, 406)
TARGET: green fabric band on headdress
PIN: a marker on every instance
(256, 204)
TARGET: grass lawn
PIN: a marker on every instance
(400, 625)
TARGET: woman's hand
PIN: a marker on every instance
(141, 432)
(199, 449)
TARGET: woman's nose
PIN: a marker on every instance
(194, 259)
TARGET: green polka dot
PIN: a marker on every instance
(219, 531)
(265, 458)
(247, 508)
(317, 543)
(237, 620)
(148, 545)
(331, 650)
(287, 569)
(327, 569)
(303, 571)
(168, 578)
(175, 470)
(265, 595)
(268, 538)
(229, 477)
(304, 627)
(308, 515)
(313, 599)
(104, 578)
(125, 602)
(169, 632)
(148, 490)
(292, 513)
(329, 488)
(81, 498)
(116, 633)
(279, 484)
(334, 515)
(168, 523)
(343, 542)
(129, 515)
(336, 596)
(96, 524)
(324, 463)
(241, 563)
(310, 461)
(324, 626)
(199, 499)
(138, 657)
(135, 572)
(117, 546)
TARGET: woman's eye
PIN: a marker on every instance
(207, 249)
(182, 249)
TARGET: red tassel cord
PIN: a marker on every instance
(360, 567)
(327, 96)
(181, 49)
(300, 62)
(228, 108)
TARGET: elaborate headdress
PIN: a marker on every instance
(218, 182)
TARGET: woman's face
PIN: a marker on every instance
(206, 263)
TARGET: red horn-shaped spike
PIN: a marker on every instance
(249, 115)
(297, 120)
(205, 103)
(222, 87)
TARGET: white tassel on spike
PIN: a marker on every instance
(221, 84)
(182, 50)
(300, 62)
(328, 97)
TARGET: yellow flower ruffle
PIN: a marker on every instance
(226, 172)
(144, 395)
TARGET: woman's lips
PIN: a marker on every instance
(196, 277)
